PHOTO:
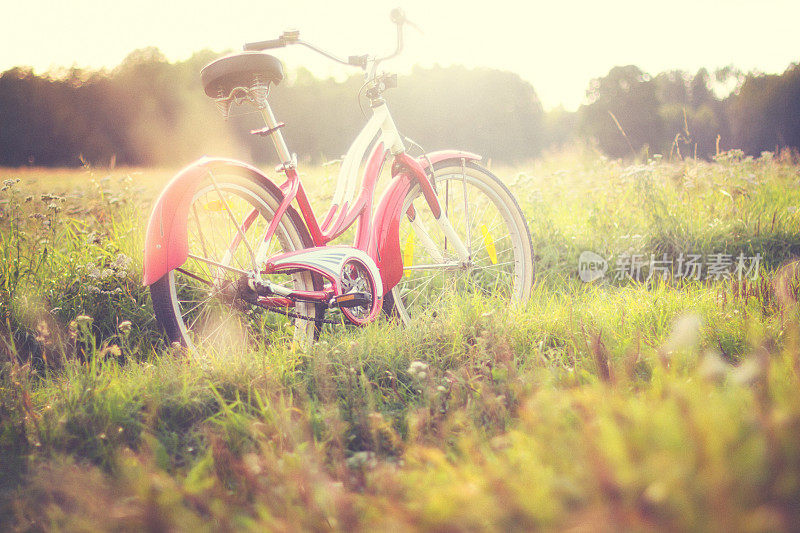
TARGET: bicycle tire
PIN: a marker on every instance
(234, 195)
(405, 299)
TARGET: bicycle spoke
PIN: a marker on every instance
(198, 278)
(497, 266)
(220, 265)
(466, 208)
(435, 266)
(201, 302)
(420, 291)
(233, 219)
(200, 234)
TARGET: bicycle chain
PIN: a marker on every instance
(291, 314)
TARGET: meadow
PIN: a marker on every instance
(635, 401)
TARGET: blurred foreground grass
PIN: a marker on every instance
(611, 405)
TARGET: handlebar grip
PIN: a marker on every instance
(265, 45)
(358, 61)
(398, 16)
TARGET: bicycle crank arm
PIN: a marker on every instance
(274, 295)
(268, 291)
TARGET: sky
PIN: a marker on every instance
(558, 46)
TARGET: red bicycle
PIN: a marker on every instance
(225, 243)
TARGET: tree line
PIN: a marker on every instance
(679, 113)
(149, 111)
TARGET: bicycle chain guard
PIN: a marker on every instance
(353, 275)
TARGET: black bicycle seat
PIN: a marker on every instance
(242, 69)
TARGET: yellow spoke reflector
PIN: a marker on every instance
(408, 253)
(214, 205)
(488, 243)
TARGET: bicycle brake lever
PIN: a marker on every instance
(415, 27)
(398, 16)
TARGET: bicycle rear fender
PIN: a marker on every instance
(166, 244)
(384, 245)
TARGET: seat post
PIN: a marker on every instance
(276, 135)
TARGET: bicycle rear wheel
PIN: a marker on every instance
(491, 225)
(206, 302)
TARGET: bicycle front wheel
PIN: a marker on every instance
(490, 224)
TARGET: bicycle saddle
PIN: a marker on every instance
(242, 69)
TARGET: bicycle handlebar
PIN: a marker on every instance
(264, 45)
(293, 37)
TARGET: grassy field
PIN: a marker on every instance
(667, 403)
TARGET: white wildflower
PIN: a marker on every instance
(418, 369)
(121, 262)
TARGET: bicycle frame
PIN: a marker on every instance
(377, 236)
(270, 251)
(344, 211)
(166, 245)
(345, 208)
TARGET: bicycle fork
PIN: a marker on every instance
(405, 162)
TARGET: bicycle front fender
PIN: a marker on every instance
(442, 155)
(384, 245)
(166, 244)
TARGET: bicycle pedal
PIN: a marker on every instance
(351, 299)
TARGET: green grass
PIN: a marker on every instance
(617, 404)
